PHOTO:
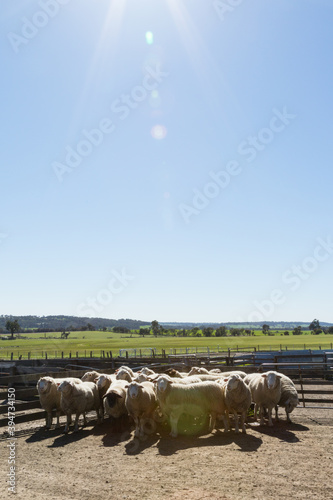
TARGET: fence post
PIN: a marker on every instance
(62, 354)
(77, 354)
(28, 355)
(91, 354)
(45, 355)
(126, 354)
(70, 354)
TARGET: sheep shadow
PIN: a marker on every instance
(137, 445)
(42, 434)
(281, 430)
(169, 446)
(71, 437)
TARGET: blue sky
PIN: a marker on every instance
(167, 160)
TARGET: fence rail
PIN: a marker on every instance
(151, 351)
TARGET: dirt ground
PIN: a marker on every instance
(104, 462)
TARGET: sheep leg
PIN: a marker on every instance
(226, 421)
(261, 414)
(276, 413)
(142, 427)
(236, 422)
(84, 419)
(48, 420)
(242, 421)
(212, 421)
(174, 424)
(68, 423)
(270, 423)
(58, 421)
(137, 426)
(255, 412)
(288, 416)
(76, 423)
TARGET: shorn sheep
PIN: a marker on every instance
(141, 403)
(265, 392)
(78, 399)
(49, 397)
(202, 398)
(237, 399)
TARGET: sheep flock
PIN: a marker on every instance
(179, 401)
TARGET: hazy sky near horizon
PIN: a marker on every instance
(167, 160)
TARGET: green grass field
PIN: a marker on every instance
(37, 344)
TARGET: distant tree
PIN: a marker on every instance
(121, 329)
(155, 327)
(207, 331)
(221, 331)
(12, 327)
(235, 332)
(91, 327)
(314, 325)
(286, 332)
(265, 329)
(329, 330)
(297, 330)
(143, 331)
(64, 335)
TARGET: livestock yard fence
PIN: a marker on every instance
(311, 371)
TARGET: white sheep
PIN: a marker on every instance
(124, 374)
(127, 368)
(114, 399)
(49, 397)
(196, 370)
(146, 371)
(90, 376)
(175, 373)
(265, 391)
(217, 376)
(141, 403)
(103, 383)
(289, 397)
(202, 398)
(238, 399)
(192, 379)
(78, 399)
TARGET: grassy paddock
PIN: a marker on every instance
(37, 344)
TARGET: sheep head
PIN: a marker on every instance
(272, 379)
(233, 382)
(134, 389)
(44, 384)
(66, 386)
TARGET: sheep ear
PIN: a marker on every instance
(226, 379)
(95, 379)
(264, 375)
